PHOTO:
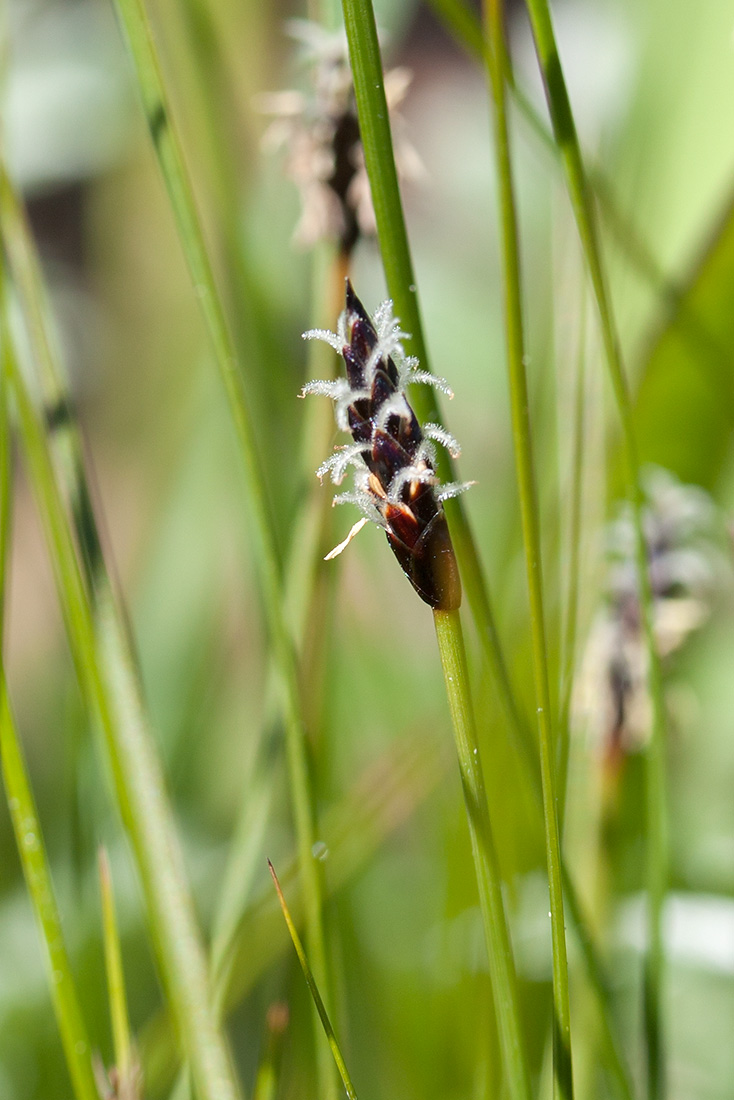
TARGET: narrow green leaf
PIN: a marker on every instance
(496, 931)
(314, 989)
(115, 973)
(38, 879)
(168, 148)
(579, 191)
(522, 437)
(374, 126)
(103, 659)
(20, 798)
(384, 797)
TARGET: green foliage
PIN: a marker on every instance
(256, 702)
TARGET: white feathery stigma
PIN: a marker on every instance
(420, 471)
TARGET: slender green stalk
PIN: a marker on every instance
(497, 935)
(307, 602)
(467, 30)
(173, 168)
(115, 973)
(384, 797)
(461, 21)
(574, 569)
(6, 481)
(374, 126)
(20, 798)
(38, 879)
(313, 987)
(657, 845)
(108, 678)
(494, 14)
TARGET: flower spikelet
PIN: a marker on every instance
(395, 483)
(320, 133)
(686, 568)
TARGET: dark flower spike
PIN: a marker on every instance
(395, 484)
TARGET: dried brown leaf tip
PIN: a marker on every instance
(320, 133)
(395, 484)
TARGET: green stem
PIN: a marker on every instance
(32, 853)
(574, 564)
(494, 14)
(655, 801)
(21, 803)
(499, 947)
(466, 29)
(374, 125)
(115, 973)
(314, 990)
(108, 678)
(169, 152)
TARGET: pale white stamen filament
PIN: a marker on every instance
(343, 545)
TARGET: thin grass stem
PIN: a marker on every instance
(314, 989)
(655, 799)
(494, 16)
(32, 853)
(496, 931)
(465, 26)
(21, 803)
(385, 796)
(306, 586)
(374, 125)
(171, 160)
(103, 659)
(115, 973)
(574, 569)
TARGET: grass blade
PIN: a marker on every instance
(38, 879)
(115, 974)
(103, 659)
(173, 168)
(521, 430)
(566, 137)
(465, 26)
(385, 796)
(497, 935)
(374, 125)
(24, 816)
(323, 1014)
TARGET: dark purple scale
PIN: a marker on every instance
(416, 527)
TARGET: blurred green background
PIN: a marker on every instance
(652, 86)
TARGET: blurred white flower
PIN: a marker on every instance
(686, 567)
(320, 132)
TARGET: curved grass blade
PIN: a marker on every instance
(22, 807)
(38, 880)
(465, 26)
(169, 152)
(396, 258)
(522, 436)
(103, 659)
(115, 976)
(579, 191)
(314, 989)
(383, 798)
(497, 935)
